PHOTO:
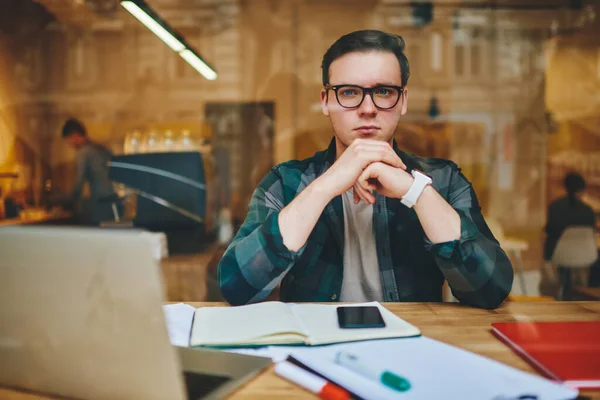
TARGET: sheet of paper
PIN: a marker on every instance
(179, 319)
(434, 369)
(275, 353)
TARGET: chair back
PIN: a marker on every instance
(576, 248)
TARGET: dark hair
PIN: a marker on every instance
(365, 41)
(73, 126)
(574, 183)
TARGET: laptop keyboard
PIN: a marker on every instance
(199, 385)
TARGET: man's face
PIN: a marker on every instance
(366, 121)
(76, 140)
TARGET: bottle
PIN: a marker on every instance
(47, 195)
(152, 142)
(135, 143)
(185, 142)
(168, 141)
(225, 228)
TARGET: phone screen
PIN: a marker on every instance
(359, 317)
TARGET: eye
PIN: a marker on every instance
(349, 92)
(383, 91)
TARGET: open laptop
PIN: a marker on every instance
(81, 317)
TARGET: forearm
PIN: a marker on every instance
(259, 256)
(439, 220)
(298, 218)
(475, 266)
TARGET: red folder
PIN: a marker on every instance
(567, 352)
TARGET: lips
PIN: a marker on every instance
(367, 129)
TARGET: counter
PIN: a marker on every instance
(39, 218)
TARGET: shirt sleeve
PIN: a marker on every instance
(257, 260)
(477, 269)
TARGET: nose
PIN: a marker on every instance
(367, 107)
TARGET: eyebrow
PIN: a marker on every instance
(376, 84)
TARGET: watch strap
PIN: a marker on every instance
(420, 182)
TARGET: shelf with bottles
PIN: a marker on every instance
(586, 163)
(168, 140)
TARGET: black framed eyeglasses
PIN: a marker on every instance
(351, 96)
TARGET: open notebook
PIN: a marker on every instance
(286, 323)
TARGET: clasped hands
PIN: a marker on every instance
(369, 165)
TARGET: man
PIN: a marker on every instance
(568, 212)
(91, 166)
(362, 220)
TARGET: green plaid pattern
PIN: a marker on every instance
(412, 268)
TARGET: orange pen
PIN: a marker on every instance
(323, 388)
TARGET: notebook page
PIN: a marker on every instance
(321, 322)
(252, 324)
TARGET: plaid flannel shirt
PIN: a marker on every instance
(412, 268)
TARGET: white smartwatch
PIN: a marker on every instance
(421, 181)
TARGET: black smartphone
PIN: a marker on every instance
(350, 317)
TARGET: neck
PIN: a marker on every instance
(576, 196)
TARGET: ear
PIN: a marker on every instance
(404, 99)
(324, 100)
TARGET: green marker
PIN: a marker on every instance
(389, 379)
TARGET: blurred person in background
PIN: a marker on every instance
(565, 212)
(92, 167)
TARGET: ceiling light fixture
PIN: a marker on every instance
(147, 16)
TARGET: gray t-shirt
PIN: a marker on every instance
(362, 280)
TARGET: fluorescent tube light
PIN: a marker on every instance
(199, 65)
(143, 13)
(154, 26)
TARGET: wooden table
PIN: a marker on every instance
(587, 293)
(465, 327)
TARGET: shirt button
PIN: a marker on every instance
(333, 296)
